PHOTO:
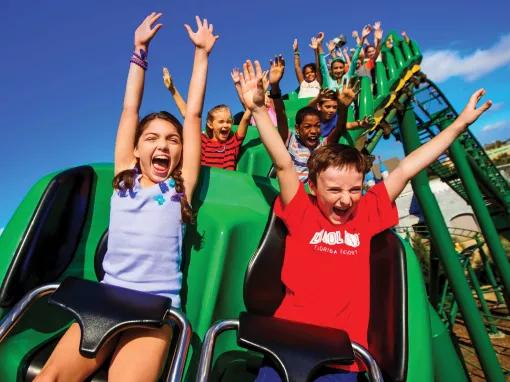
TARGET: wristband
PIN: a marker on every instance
(140, 59)
(296, 53)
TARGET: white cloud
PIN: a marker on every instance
(497, 106)
(496, 126)
(439, 65)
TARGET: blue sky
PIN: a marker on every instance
(65, 63)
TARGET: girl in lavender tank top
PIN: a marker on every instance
(157, 162)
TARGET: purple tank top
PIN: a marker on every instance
(145, 240)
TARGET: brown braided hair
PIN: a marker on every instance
(125, 180)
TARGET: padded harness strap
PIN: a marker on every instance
(103, 310)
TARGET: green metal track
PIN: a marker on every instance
(433, 111)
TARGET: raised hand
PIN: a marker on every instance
(378, 32)
(252, 89)
(295, 46)
(355, 35)
(367, 122)
(235, 74)
(366, 31)
(167, 79)
(349, 91)
(314, 43)
(331, 45)
(320, 37)
(146, 31)
(325, 94)
(470, 113)
(276, 70)
(265, 79)
(203, 38)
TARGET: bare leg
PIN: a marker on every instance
(67, 364)
(140, 355)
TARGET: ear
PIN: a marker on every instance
(209, 124)
(313, 188)
(136, 153)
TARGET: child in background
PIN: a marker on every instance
(169, 84)
(220, 146)
(157, 162)
(306, 139)
(328, 281)
(309, 79)
(327, 105)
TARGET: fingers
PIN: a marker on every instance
(156, 29)
(166, 73)
(258, 70)
(154, 17)
(250, 68)
(486, 106)
(199, 22)
(188, 29)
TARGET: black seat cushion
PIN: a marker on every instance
(298, 349)
(51, 238)
(101, 249)
(387, 327)
(263, 288)
(103, 310)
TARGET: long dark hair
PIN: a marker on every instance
(125, 180)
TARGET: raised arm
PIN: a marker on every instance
(253, 95)
(316, 46)
(378, 36)
(169, 84)
(297, 62)
(344, 98)
(364, 34)
(204, 40)
(125, 141)
(275, 75)
(236, 80)
(243, 124)
(423, 156)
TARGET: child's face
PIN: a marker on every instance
(158, 150)
(309, 131)
(327, 109)
(309, 74)
(338, 192)
(371, 52)
(221, 125)
(337, 69)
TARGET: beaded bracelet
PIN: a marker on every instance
(140, 59)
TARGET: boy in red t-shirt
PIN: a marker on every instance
(326, 266)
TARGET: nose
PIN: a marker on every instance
(345, 200)
(162, 145)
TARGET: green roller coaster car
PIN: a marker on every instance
(58, 227)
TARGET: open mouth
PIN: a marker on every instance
(341, 212)
(224, 133)
(161, 165)
(313, 140)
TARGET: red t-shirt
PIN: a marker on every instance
(326, 267)
(222, 155)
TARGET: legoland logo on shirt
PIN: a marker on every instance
(335, 237)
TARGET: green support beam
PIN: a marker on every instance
(448, 256)
(460, 158)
